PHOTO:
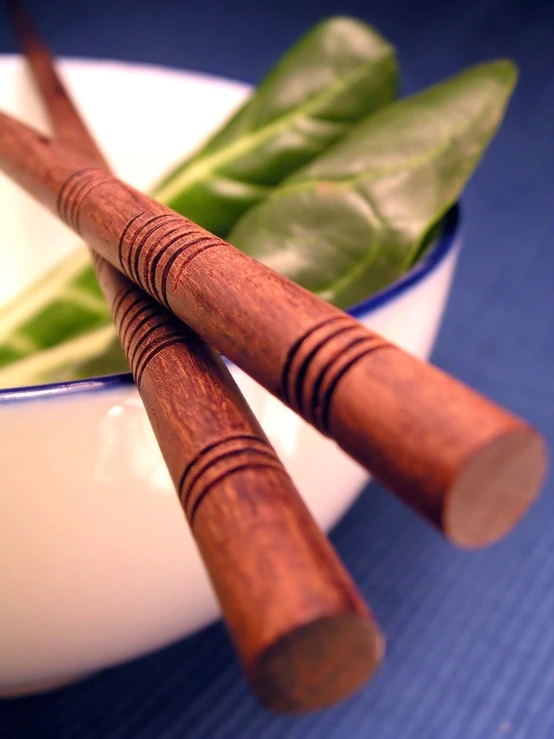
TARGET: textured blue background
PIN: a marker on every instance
(471, 635)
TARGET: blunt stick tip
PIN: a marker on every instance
(318, 664)
(495, 488)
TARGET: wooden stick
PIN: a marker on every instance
(303, 633)
(68, 123)
(467, 465)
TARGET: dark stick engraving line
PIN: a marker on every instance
(170, 342)
(209, 462)
(128, 237)
(83, 182)
(73, 192)
(155, 254)
(70, 201)
(185, 264)
(64, 195)
(119, 298)
(142, 305)
(80, 197)
(141, 238)
(150, 339)
(327, 368)
(203, 237)
(131, 326)
(284, 382)
(268, 465)
(161, 284)
(129, 307)
(123, 237)
(150, 226)
(136, 328)
(138, 299)
(60, 200)
(296, 392)
(209, 447)
(151, 269)
(152, 343)
(326, 403)
(171, 224)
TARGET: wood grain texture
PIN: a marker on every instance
(304, 635)
(302, 631)
(467, 465)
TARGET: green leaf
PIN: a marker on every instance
(91, 354)
(332, 78)
(63, 304)
(336, 75)
(59, 328)
(354, 220)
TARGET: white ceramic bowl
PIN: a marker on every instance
(97, 564)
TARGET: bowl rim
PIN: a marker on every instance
(424, 267)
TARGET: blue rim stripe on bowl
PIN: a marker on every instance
(110, 382)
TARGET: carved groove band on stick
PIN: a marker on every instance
(133, 241)
(318, 360)
(153, 244)
(143, 331)
(218, 460)
(75, 189)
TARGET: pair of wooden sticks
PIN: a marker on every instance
(304, 634)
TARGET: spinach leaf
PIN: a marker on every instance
(335, 76)
(64, 313)
(353, 220)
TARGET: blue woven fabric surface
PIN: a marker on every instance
(470, 635)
